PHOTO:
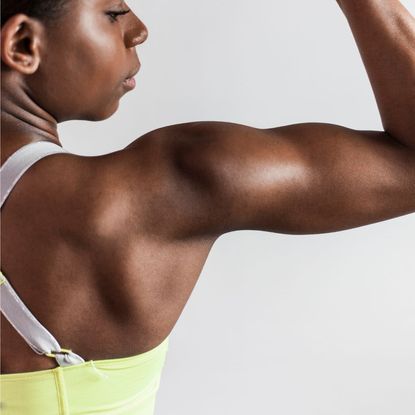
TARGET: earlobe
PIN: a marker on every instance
(19, 44)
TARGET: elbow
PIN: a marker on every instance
(403, 133)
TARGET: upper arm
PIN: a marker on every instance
(303, 178)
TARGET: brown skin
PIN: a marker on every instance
(127, 234)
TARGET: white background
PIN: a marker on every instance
(277, 324)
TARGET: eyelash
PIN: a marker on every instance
(113, 15)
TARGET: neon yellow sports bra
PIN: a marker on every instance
(123, 386)
(126, 386)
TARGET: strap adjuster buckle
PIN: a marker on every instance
(62, 351)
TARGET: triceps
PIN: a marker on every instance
(354, 178)
(295, 179)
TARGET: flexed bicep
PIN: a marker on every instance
(299, 179)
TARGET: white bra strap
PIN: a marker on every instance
(12, 307)
(17, 164)
(26, 324)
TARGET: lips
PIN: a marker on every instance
(129, 82)
(134, 72)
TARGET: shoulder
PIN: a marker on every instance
(144, 188)
(181, 181)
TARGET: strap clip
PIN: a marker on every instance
(62, 351)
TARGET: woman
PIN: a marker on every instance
(113, 245)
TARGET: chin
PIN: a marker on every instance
(103, 114)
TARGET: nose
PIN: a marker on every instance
(137, 34)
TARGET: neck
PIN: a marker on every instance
(23, 122)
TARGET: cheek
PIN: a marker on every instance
(83, 74)
(98, 71)
(97, 63)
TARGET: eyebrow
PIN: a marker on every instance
(116, 4)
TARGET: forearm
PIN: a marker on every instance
(384, 31)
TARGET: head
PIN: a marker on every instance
(70, 57)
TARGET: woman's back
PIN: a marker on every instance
(85, 246)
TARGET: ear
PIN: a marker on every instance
(20, 40)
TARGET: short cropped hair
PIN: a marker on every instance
(44, 10)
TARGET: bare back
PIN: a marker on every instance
(91, 256)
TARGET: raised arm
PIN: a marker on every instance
(385, 34)
(311, 177)
(298, 179)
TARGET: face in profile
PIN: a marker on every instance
(83, 58)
